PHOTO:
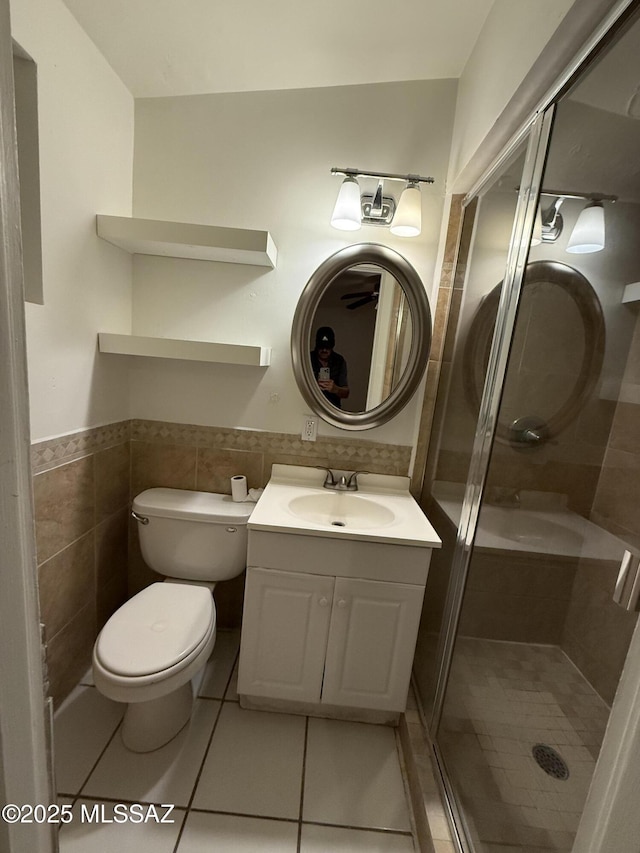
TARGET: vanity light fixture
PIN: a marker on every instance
(353, 210)
(347, 213)
(588, 233)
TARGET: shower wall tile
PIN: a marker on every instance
(618, 494)
(444, 325)
(493, 615)
(64, 505)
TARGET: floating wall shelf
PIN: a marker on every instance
(185, 350)
(631, 293)
(184, 240)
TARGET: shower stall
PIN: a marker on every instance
(533, 476)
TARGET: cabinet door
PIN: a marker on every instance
(285, 626)
(371, 644)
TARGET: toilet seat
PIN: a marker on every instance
(159, 630)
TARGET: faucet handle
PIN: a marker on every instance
(329, 480)
(352, 482)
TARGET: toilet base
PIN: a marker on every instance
(153, 723)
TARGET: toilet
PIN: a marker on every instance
(151, 648)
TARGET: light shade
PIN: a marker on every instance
(588, 233)
(347, 214)
(407, 221)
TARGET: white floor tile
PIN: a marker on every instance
(166, 775)
(82, 836)
(254, 765)
(320, 839)
(353, 776)
(205, 833)
(219, 666)
(82, 727)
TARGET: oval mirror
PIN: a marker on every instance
(555, 358)
(361, 336)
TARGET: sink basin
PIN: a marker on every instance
(337, 509)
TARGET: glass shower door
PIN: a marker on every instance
(544, 613)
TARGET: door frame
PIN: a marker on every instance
(25, 711)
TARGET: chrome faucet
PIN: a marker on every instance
(343, 483)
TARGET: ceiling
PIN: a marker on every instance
(163, 47)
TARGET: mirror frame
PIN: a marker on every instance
(481, 330)
(416, 296)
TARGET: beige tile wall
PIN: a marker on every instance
(88, 554)
(598, 632)
(81, 493)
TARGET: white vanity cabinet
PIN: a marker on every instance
(345, 642)
(333, 596)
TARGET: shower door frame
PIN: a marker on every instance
(610, 819)
(538, 134)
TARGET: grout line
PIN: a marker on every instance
(302, 781)
(381, 830)
(199, 773)
(106, 746)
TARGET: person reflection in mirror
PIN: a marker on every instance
(329, 367)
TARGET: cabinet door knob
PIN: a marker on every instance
(342, 603)
(323, 601)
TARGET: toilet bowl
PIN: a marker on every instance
(150, 649)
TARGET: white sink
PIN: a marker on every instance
(340, 509)
(382, 510)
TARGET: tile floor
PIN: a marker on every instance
(241, 781)
(503, 698)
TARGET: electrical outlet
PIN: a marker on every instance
(309, 428)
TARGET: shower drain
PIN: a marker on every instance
(550, 761)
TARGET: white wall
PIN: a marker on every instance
(263, 160)
(512, 38)
(86, 152)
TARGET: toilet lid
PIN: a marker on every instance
(155, 629)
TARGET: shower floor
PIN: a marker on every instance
(503, 699)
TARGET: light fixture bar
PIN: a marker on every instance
(355, 173)
(585, 196)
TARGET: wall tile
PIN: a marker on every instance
(216, 467)
(112, 469)
(67, 583)
(112, 564)
(168, 466)
(64, 505)
(69, 653)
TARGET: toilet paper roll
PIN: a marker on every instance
(239, 488)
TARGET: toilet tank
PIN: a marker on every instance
(192, 535)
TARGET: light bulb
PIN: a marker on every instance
(407, 221)
(588, 233)
(347, 214)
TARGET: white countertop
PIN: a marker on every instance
(409, 525)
